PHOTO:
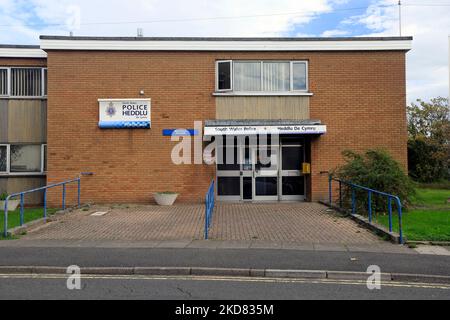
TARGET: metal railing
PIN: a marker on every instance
(370, 193)
(209, 204)
(44, 189)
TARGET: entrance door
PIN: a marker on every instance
(229, 179)
(266, 173)
(257, 172)
(292, 186)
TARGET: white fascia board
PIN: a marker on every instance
(22, 53)
(155, 45)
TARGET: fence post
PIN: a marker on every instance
(353, 201)
(45, 204)
(5, 227)
(390, 213)
(79, 192)
(21, 209)
(330, 192)
(400, 223)
(206, 217)
(340, 194)
(64, 197)
(370, 206)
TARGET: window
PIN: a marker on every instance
(23, 82)
(3, 158)
(44, 81)
(247, 76)
(262, 76)
(276, 76)
(299, 71)
(223, 76)
(23, 159)
(3, 82)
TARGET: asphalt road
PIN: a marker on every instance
(225, 258)
(207, 288)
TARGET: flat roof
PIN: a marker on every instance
(224, 44)
(76, 38)
(22, 51)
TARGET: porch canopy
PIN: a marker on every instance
(260, 127)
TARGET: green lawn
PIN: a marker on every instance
(428, 219)
(30, 214)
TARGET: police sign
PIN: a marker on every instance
(124, 113)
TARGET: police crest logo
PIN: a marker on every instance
(111, 110)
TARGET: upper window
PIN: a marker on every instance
(23, 82)
(3, 82)
(262, 76)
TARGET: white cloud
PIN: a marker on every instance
(335, 33)
(427, 63)
(176, 13)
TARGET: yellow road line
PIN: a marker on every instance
(229, 279)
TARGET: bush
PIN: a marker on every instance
(377, 170)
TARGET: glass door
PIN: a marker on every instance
(292, 186)
(228, 172)
(266, 173)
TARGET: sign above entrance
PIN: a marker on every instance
(124, 113)
(257, 130)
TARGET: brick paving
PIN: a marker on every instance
(286, 222)
(281, 222)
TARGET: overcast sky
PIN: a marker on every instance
(21, 22)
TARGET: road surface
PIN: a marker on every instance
(205, 288)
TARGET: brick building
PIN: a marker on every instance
(113, 104)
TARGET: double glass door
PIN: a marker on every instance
(259, 172)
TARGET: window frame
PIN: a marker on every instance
(8, 160)
(44, 83)
(306, 74)
(231, 76)
(291, 90)
(9, 80)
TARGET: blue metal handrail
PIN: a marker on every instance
(370, 192)
(23, 193)
(209, 204)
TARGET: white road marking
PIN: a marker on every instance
(392, 284)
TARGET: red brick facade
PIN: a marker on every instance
(360, 96)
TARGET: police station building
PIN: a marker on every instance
(115, 111)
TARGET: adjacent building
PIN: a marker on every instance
(114, 103)
(23, 119)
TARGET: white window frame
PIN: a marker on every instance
(9, 75)
(8, 81)
(44, 83)
(261, 92)
(231, 76)
(307, 75)
(43, 146)
(8, 160)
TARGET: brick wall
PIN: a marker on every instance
(359, 95)
(23, 62)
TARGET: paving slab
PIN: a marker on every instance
(295, 226)
(433, 250)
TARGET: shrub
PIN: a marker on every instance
(375, 169)
(3, 196)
